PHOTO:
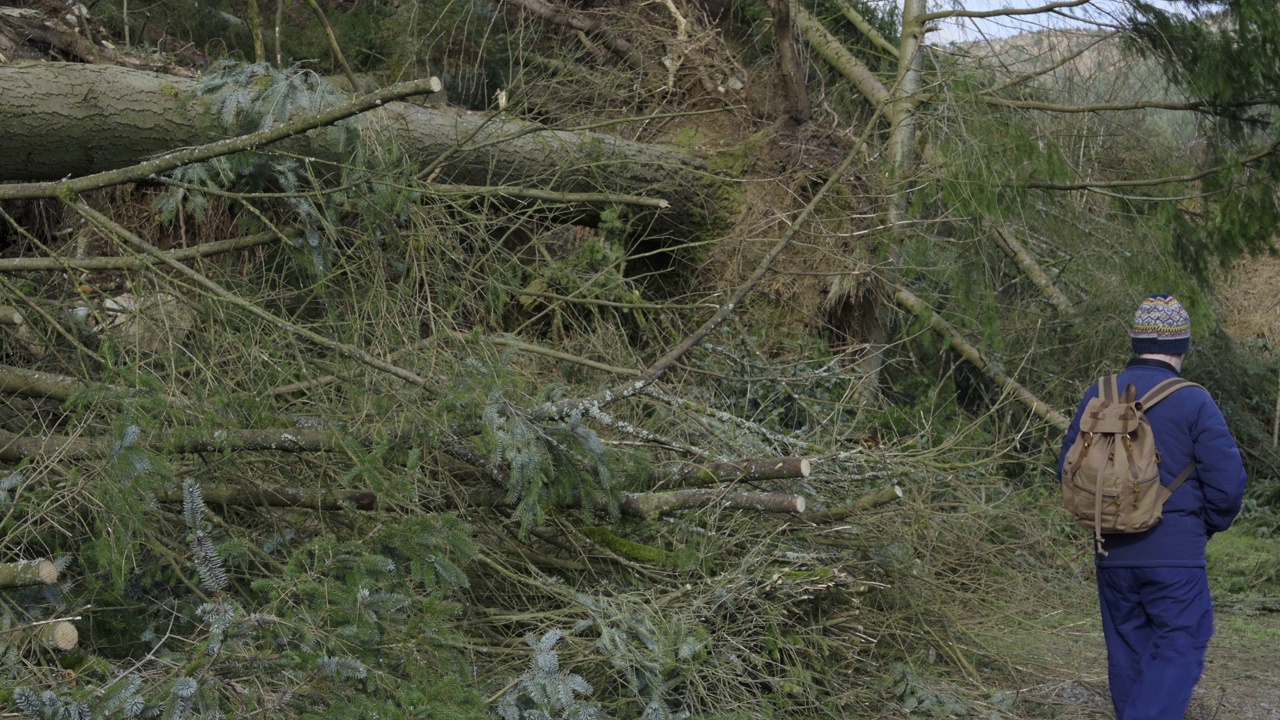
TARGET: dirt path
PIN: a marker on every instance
(1242, 673)
(1241, 679)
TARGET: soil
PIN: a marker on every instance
(1241, 679)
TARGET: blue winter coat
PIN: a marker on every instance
(1188, 427)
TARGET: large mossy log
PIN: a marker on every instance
(65, 120)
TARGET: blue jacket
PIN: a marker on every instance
(1188, 427)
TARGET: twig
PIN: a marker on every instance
(231, 298)
(133, 263)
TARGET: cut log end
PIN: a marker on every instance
(46, 572)
(436, 85)
(800, 504)
(28, 572)
(58, 636)
(806, 469)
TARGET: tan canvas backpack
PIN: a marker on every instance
(1111, 475)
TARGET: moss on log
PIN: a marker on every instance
(637, 552)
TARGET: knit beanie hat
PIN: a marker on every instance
(1161, 326)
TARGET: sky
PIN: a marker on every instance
(1108, 12)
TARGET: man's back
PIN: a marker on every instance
(1188, 427)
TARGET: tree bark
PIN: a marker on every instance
(31, 383)
(834, 52)
(648, 504)
(879, 498)
(55, 635)
(696, 474)
(789, 61)
(64, 120)
(28, 572)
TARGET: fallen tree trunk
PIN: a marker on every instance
(698, 474)
(32, 383)
(917, 307)
(16, 447)
(67, 120)
(648, 504)
(28, 572)
(879, 498)
(56, 635)
(299, 497)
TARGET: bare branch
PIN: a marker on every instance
(1002, 12)
(135, 263)
(1149, 182)
(1193, 106)
(351, 351)
(582, 23)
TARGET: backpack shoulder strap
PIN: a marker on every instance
(1182, 477)
(1164, 390)
(1109, 388)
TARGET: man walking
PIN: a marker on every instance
(1157, 615)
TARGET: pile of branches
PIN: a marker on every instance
(310, 430)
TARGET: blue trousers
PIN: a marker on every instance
(1157, 623)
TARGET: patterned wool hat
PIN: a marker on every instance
(1161, 326)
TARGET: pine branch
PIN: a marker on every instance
(1027, 263)
(1150, 182)
(1204, 106)
(276, 496)
(957, 341)
(15, 447)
